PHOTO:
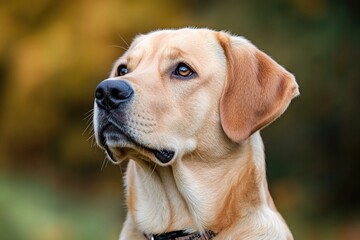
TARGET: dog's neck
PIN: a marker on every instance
(185, 195)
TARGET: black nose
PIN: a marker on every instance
(110, 93)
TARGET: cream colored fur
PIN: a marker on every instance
(217, 179)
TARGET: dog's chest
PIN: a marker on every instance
(156, 204)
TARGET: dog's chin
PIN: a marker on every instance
(120, 146)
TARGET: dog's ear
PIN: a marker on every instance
(257, 89)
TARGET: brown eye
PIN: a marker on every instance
(182, 70)
(122, 70)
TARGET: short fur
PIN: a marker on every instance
(216, 180)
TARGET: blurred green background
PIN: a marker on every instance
(54, 183)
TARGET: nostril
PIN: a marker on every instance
(116, 94)
(99, 93)
(121, 92)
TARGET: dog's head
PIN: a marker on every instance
(175, 92)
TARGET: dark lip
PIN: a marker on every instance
(163, 155)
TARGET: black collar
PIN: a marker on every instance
(181, 235)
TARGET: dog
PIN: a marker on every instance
(186, 107)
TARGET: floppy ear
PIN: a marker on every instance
(257, 89)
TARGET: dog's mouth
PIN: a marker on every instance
(112, 133)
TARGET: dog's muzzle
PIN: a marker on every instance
(111, 97)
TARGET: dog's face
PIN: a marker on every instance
(175, 92)
(176, 79)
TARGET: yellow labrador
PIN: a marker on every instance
(186, 107)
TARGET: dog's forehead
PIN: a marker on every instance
(186, 40)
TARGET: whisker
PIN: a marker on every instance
(88, 114)
(90, 111)
(107, 161)
(116, 46)
(89, 118)
(87, 128)
(91, 137)
(104, 163)
(93, 142)
(124, 40)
